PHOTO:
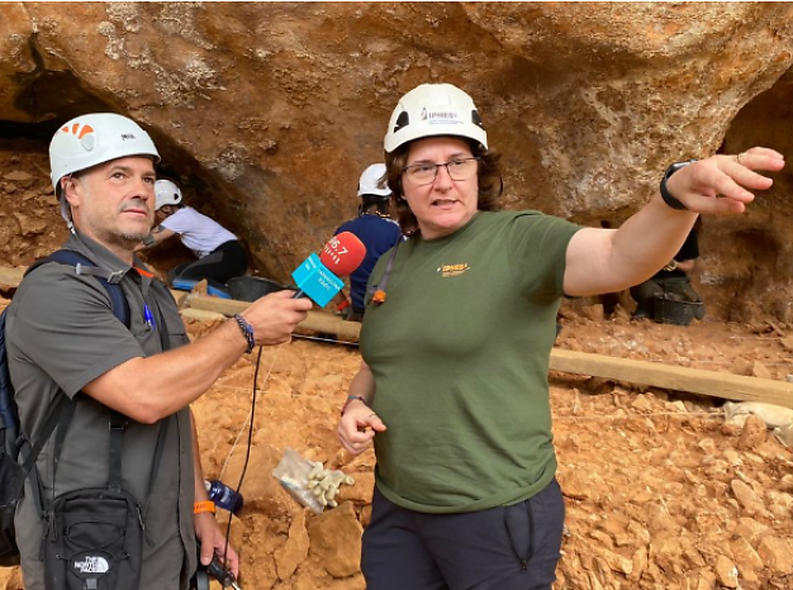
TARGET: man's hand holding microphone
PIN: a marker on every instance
(272, 318)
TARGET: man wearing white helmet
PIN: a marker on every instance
(456, 340)
(378, 232)
(221, 256)
(129, 432)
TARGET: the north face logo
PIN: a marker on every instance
(92, 565)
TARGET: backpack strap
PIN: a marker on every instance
(8, 409)
(54, 417)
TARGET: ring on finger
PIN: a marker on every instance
(738, 157)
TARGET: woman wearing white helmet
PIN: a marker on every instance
(376, 230)
(456, 343)
(221, 256)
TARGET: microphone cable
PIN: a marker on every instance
(250, 420)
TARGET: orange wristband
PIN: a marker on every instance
(206, 506)
(342, 305)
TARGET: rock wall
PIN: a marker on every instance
(269, 111)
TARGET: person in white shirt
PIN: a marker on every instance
(221, 256)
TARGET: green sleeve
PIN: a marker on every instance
(537, 253)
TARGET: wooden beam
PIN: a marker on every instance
(699, 381)
(316, 321)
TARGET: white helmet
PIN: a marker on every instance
(371, 182)
(167, 193)
(434, 109)
(93, 139)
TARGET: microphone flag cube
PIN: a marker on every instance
(315, 280)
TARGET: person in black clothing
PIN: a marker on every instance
(671, 279)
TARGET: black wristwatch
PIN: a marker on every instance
(670, 200)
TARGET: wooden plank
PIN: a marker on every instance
(11, 276)
(699, 381)
(316, 321)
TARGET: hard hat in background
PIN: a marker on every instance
(434, 109)
(167, 193)
(93, 139)
(372, 182)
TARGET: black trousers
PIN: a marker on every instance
(225, 262)
(505, 548)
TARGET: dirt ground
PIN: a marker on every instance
(660, 492)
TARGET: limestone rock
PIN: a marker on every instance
(336, 540)
(726, 572)
(614, 561)
(20, 177)
(30, 226)
(292, 554)
(754, 433)
(761, 371)
(746, 558)
(777, 554)
(746, 496)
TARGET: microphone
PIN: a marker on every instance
(318, 276)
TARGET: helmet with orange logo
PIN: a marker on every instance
(434, 109)
(93, 139)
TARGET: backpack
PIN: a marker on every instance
(13, 473)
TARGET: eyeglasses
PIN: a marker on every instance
(426, 172)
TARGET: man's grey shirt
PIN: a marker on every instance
(61, 334)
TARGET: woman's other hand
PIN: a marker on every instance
(358, 426)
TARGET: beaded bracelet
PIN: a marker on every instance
(247, 331)
(350, 399)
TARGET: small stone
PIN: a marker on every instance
(777, 554)
(750, 529)
(594, 312)
(295, 550)
(642, 404)
(754, 433)
(726, 572)
(733, 458)
(746, 496)
(336, 540)
(18, 176)
(745, 555)
(761, 371)
(742, 367)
